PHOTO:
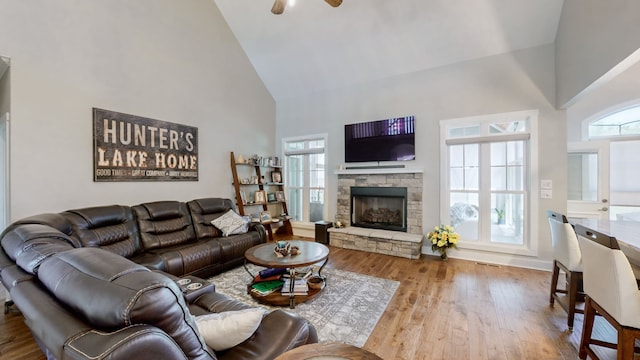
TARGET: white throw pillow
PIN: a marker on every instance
(227, 329)
(231, 223)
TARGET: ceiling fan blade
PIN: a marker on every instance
(278, 7)
(334, 3)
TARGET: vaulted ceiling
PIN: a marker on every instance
(314, 47)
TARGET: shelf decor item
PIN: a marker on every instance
(260, 197)
(265, 216)
(276, 177)
(442, 238)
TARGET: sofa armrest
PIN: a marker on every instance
(213, 302)
(140, 342)
(260, 229)
(279, 332)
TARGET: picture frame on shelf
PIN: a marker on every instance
(265, 216)
(260, 197)
(276, 177)
(271, 197)
(280, 196)
(243, 197)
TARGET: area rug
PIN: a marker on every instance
(347, 310)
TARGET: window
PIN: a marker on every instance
(305, 177)
(487, 163)
(620, 123)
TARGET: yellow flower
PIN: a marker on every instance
(441, 243)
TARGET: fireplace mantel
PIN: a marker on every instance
(381, 170)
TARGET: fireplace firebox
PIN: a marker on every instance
(379, 207)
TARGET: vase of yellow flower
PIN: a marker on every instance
(443, 237)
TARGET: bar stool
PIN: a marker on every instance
(566, 253)
(611, 292)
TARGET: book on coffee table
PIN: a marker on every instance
(266, 287)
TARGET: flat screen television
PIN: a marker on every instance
(381, 140)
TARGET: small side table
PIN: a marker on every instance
(333, 350)
(322, 235)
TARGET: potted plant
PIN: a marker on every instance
(443, 237)
(500, 213)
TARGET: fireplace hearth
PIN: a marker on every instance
(379, 208)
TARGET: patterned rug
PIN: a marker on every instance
(347, 310)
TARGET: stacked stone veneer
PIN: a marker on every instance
(396, 243)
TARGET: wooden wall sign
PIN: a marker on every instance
(134, 148)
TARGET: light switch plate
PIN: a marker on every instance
(546, 194)
(546, 184)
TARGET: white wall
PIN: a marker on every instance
(623, 89)
(593, 37)
(170, 60)
(502, 83)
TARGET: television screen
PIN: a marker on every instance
(382, 140)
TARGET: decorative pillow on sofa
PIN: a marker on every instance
(231, 223)
(227, 329)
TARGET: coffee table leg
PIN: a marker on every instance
(292, 283)
(247, 269)
(322, 267)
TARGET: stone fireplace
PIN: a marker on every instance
(400, 238)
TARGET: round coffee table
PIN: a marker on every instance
(263, 255)
(328, 351)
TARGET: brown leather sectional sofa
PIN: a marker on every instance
(100, 282)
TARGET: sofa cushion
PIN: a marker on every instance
(111, 228)
(109, 291)
(164, 224)
(225, 330)
(231, 223)
(205, 210)
(200, 259)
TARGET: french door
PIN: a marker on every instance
(588, 179)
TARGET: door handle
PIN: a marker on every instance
(604, 208)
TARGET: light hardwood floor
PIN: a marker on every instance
(453, 309)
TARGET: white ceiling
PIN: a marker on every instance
(314, 47)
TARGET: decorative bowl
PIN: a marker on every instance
(315, 282)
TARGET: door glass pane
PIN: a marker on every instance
(316, 205)
(294, 203)
(507, 218)
(316, 173)
(582, 177)
(295, 171)
(624, 174)
(463, 214)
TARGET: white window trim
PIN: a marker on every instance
(284, 141)
(530, 247)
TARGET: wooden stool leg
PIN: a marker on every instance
(626, 344)
(554, 282)
(572, 292)
(587, 329)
